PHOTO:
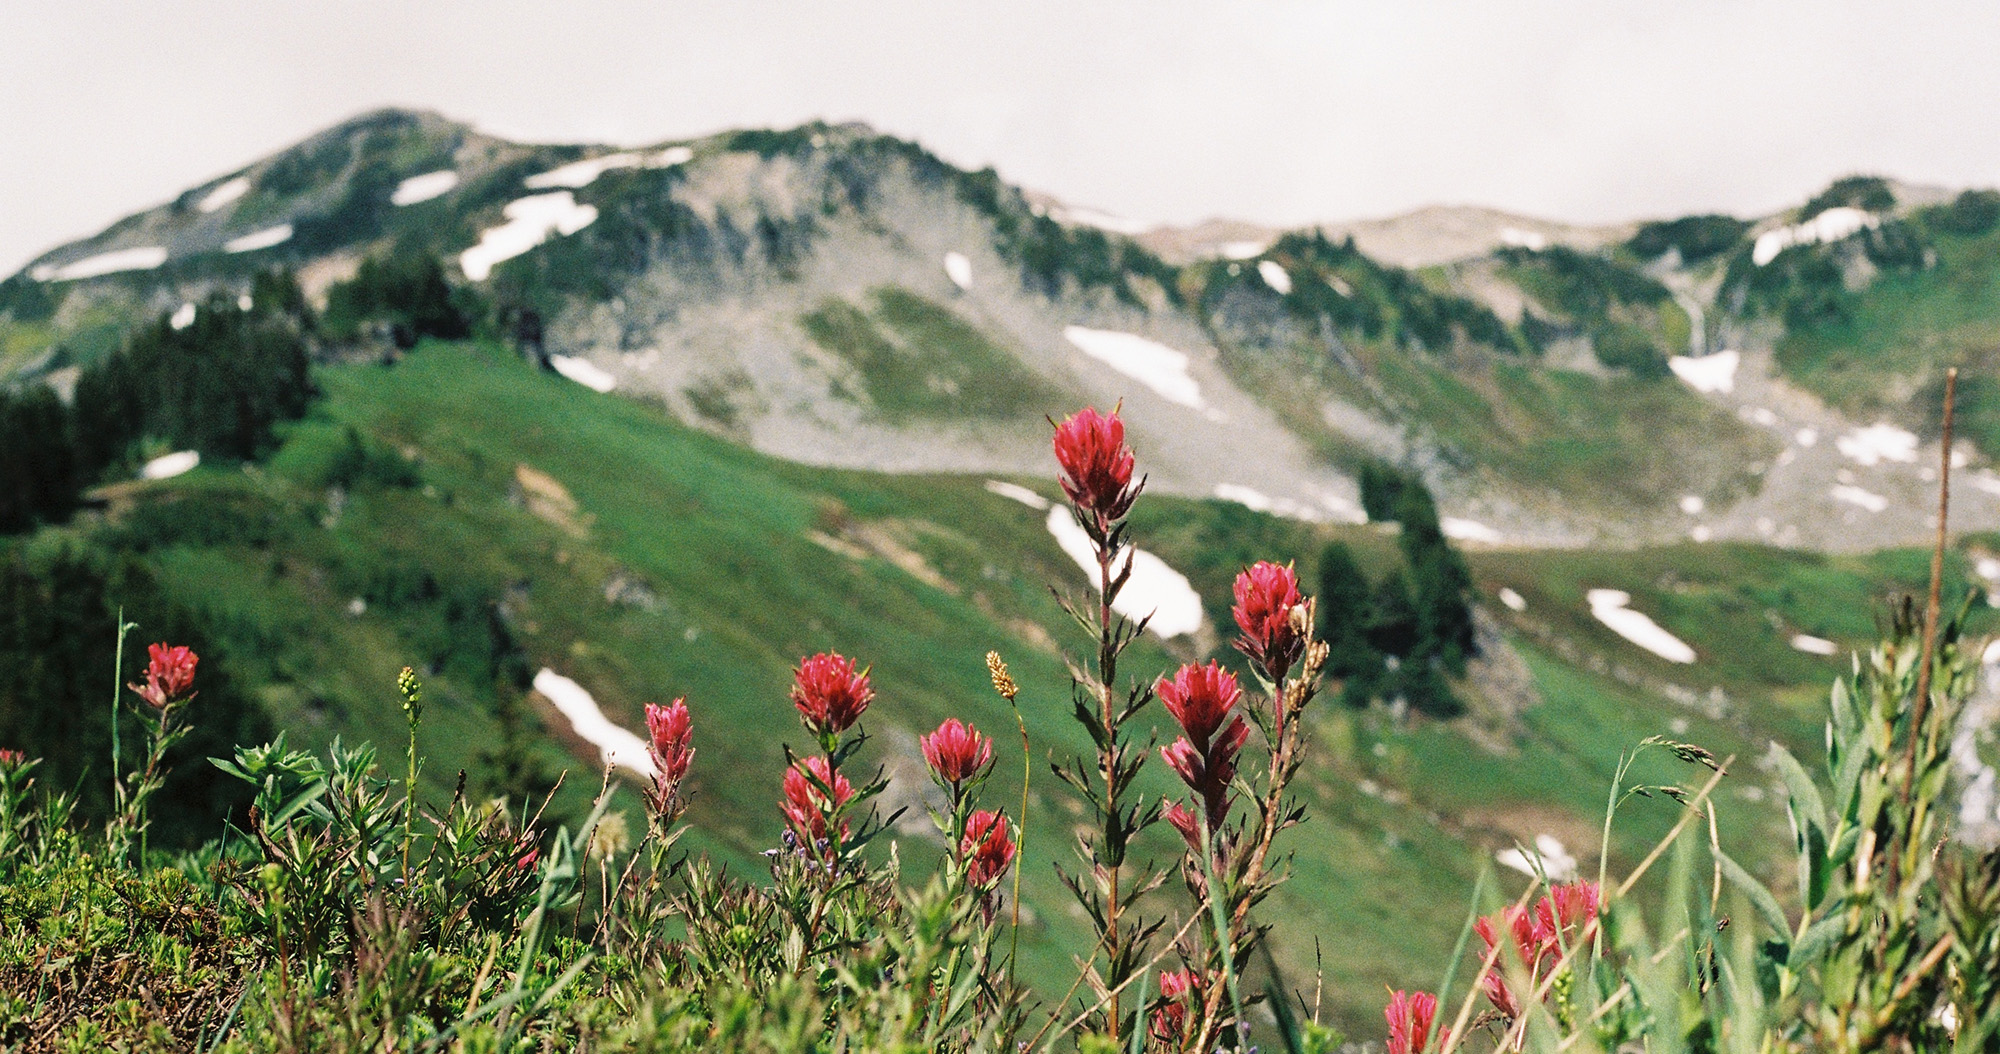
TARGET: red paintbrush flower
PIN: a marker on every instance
(169, 675)
(1176, 989)
(957, 752)
(830, 693)
(1199, 698)
(11, 758)
(1409, 1019)
(1569, 910)
(1187, 822)
(672, 733)
(1096, 464)
(805, 805)
(987, 848)
(1266, 596)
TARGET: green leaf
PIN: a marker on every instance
(1761, 899)
(1804, 793)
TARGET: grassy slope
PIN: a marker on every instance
(722, 537)
(1611, 445)
(1904, 329)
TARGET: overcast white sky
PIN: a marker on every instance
(1167, 110)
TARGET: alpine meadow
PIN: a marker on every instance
(783, 591)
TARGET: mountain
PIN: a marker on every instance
(732, 400)
(834, 296)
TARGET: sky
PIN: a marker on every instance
(1283, 112)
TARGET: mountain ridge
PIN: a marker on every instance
(790, 287)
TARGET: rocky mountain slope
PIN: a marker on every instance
(833, 296)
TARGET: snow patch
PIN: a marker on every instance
(583, 372)
(671, 156)
(1469, 531)
(424, 188)
(1829, 226)
(1692, 504)
(1878, 443)
(1869, 500)
(1104, 221)
(263, 239)
(1608, 607)
(1520, 239)
(1244, 250)
(170, 465)
(1161, 368)
(142, 259)
(1814, 645)
(1274, 276)
(1251, 498)
(1513, 600)
(530, 221)
(958, 269)
(1153, 589)
(1709, 374)
(1016, 492)
(616, 745)
(1807, 436)
(183, 317)
(224, 194)
(1550, 858)
(579, 174)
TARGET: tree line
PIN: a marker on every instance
(1406, 635)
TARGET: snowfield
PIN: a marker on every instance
(1520, 239)
(263, 239)
(170, 465)
(530, 221)
(1829, 226)
(616, 745)
(1608, 607)
(1104, 221)
(1550, 859)
(1469, 531)
(1251, 498)
(579, 174)
(1244, 250)
(583, 372)
(1016, 492)
(142, 259)
(1154, 588)
(1710, 374)
(223, 194)
(424, 188)
(1852, 495)
(1878, 443)
(1149, 362)
(958, 269)
(1274, 276)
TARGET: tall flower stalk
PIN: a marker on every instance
(168, 689)
(1229, 867)
(1096, 476)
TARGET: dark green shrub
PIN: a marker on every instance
(1698, 238)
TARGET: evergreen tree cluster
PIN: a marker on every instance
(218, 385)
(402, 297)
(1408, 634)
